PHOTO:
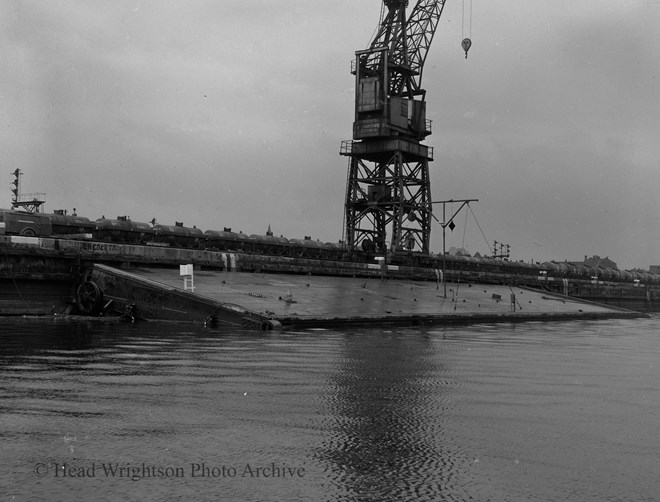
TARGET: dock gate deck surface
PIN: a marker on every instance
(321, 301)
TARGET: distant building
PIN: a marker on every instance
(458, 251)
(596, 262)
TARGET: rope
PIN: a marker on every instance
(380, 23)
(482, 232)
(464, 231)
(515, 297)
(13, 279)
(458, 281)
(469, 20)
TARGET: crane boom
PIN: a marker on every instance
(422, 25)
(407, 40)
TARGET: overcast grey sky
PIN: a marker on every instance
(231, 113)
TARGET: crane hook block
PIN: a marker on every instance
(467, 43)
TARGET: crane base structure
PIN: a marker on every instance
(388, 188)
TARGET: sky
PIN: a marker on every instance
(231, 114)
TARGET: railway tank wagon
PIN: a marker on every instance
(269, 244)
(335, 250)
(64, 224)
(226, 240)
(317, 250)
(123, 230)
(178, 236)
(305, 248)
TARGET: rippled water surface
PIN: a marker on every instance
(539, 412)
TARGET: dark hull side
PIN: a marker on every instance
(35, 296)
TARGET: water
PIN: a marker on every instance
(538, 412)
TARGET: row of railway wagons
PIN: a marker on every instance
(552, 270)
(124, 230)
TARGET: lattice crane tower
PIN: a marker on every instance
(388, 186)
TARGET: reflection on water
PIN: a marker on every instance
(564, 411)
(385, 416)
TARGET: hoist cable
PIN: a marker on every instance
(482, 232)
(464, 231)
(469, 20)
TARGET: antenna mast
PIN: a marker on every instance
(29, 202)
